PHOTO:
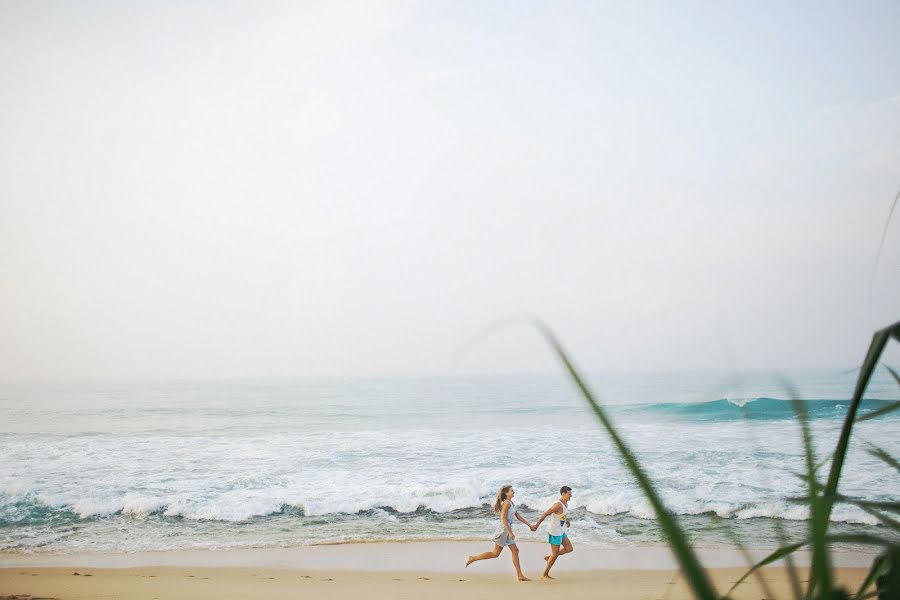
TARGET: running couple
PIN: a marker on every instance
(557, 517)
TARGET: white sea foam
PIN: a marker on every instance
(97, 506)
(231, 474)
(141, 505)
(739, 401)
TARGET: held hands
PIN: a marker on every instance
(533, 527)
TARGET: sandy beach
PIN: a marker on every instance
(168, 582)
(380, 571)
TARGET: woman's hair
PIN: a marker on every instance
(501, 497)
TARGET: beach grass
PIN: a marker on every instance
(821, 497)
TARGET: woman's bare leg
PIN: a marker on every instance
(485, 555)
(515, 559)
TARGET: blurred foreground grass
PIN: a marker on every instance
(821, 498)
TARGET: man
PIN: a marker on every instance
(559, 519)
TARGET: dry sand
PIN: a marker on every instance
(168, 582)
(349, 572)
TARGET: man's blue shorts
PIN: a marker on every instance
(556, 540)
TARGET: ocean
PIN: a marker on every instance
(147, 466)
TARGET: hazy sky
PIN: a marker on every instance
(209, 189)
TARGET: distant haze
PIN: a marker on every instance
(213, 189)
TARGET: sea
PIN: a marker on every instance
(179, 465)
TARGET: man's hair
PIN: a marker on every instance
(564, 489)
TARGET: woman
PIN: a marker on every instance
(505, 536)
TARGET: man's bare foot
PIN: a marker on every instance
(470, 561)
(523, 578)
(547, 577)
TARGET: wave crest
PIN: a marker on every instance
(757, 409)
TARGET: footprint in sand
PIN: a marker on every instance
(306, 576)
(329, 579)
(76, 573)
(424, 579)
(462, 579)
(88, 575)
(271, 578)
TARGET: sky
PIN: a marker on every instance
(253, 189)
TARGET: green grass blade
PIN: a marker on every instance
(763, 584)
(880, 412)
(847, 538)
(884, 233)
(885, 520)
(821, 563)
(812, 481)
(735, 539)
(694, 573)
(876, 504)
(863, 539)
(892, 506)
(890, 586)
(876, 347)
(788, 561)
(780, 534)
(801, 476)
(873, 573)
(823, 462)
(804, 477)
(883, 455)
(893, 373)
(777, 554)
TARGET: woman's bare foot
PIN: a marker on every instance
(523, 578)
(470, 561)
(547, 577)
(546, 558)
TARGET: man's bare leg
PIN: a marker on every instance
(554, 553)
